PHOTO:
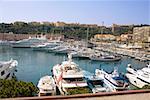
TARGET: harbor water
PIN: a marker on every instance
(32, 65)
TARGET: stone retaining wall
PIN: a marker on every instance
(15, 37)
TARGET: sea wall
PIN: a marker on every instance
(15, 37)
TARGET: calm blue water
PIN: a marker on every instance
(34, 64)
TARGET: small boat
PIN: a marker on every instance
(63, 50)
(53, 49)
(105, 58)
(138, 78)
(47, 86)
(7, 69)
(96, 84)
(112, 83)
(119, 77)
(82, 53)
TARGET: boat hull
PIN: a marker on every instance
(135, 81)
(103, 59)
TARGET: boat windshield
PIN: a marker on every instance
(80, 79)
(96, 82)
(71, 68)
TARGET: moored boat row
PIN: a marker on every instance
(138, 78)
(68, 76)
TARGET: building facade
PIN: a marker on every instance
(142, 35)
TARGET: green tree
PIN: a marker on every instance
(13, 88)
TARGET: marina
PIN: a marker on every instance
(32, 65)
(74, 49)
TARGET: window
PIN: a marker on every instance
(7, 76)
(1, 66)
(2, 73)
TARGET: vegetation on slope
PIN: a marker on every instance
(13, 88)
(69, 30)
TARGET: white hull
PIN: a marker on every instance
(138, 78)
(105, 59)
(67, 75)
(110, 82)
(28, 43)
(135, 81)
(46, 86)
(21, 45)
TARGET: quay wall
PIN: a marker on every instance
(16, 37)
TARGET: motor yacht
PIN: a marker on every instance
(46, 86)
(138, 78)
(30, 42)
(113, 84)
(68, 76)
(45, 46)
(96, 84)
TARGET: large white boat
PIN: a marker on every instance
(28, 43)
(46, 86)
(46, 46)
(113, 84)
(138, 78)
(68, 76)
(7, 69)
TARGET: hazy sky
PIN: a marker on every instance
(81, 11)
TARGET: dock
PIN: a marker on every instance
(137, 54)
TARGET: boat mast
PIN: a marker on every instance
(87, 35)
(102, 27)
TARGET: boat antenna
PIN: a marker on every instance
(64, 58)
(87, 35)
(100, 67)
(70, 57)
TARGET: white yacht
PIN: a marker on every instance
(28, 43)
(7, 69)
(68, 76)
(113, 84)
(47, 45)
(47, 86)
(82, 52)
(138, 78)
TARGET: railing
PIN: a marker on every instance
(103, 94)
